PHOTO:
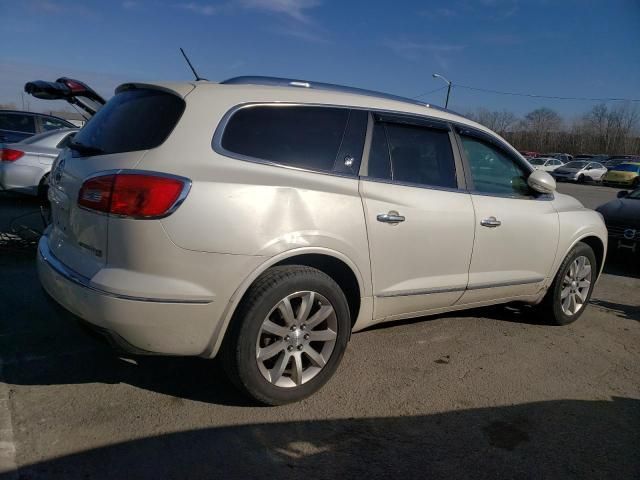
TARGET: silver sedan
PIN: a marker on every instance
(25, 166)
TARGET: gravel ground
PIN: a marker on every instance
(488, 393)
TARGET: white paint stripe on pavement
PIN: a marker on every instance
(7, 447)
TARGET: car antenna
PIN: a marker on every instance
(195, 74)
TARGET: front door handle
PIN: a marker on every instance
(391, 217)
(491, 222)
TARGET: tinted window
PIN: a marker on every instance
(49, 123)
(306, 137)
(136, 119)
(418, 155)
(493, 170)
(17, 122)
(537, 161)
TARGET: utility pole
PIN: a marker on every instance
(437, 75)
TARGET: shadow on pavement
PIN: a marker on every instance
(623, 263)
(555, 439)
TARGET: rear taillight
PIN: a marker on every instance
(10, 155)
(133, 195)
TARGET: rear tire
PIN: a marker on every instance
(43, 189)
(276, 349)
(569, 295)
(581, 179)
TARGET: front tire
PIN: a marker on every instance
(288, 335)
(572, 287)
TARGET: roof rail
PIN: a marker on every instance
(290, 82)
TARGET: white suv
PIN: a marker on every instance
(266, 219)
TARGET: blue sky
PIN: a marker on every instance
(583, 48)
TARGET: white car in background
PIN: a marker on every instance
(580, 171)
(546, 164)
(25, 166)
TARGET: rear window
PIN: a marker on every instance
(136, 119)
(17, 122)
(298, 136)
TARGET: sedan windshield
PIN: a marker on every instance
(577, 165)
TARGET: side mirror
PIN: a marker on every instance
(622, 194)
(541, 182)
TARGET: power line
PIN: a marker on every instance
(532, 95)
(429, 92)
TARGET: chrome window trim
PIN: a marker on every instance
(186, 188)
(216, 142)
(414, 185)
(61, 269)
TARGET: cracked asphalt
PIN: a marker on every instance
(487, 393)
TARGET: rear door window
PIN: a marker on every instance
(17, 122)
(412, 154)
(311, 137)
(134, 119)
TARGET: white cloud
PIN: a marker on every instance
(199, 8)
(414, 51)
(294, 9)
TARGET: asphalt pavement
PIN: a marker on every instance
(486, 393)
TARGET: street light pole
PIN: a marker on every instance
(437, 75)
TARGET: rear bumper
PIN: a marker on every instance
(135, 324)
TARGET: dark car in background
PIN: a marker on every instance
(15, 125)
(622, 217)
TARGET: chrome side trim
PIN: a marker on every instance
(49, 258)
(426, 291)
(479, 286)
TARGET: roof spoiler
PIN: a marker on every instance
(73, 91)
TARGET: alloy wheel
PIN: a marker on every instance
(296, 339)
(575, 286)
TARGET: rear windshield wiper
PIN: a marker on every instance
(83, 149)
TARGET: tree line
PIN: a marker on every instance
(603, 129)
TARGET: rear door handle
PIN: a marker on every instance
(491, 222)
(391, 217)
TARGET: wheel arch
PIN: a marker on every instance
(335, 264)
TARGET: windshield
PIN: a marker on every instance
(627, 167)
(635, 194)
(576, 165)
(537, 161)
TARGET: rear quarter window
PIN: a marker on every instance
(135, 119)
(300, 136)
